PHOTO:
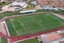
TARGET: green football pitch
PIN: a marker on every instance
(25, 25)
(30, 41)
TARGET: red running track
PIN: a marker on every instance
(17, 38)
(34, 35)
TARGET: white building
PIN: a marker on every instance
(15, 6)
(34, 3)
(22, 4)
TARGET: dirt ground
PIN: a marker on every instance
(59, 15)
(2, 29)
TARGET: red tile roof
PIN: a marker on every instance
(53, 37)
(56, 3)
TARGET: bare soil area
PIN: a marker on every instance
(59, 15)
(2, 28)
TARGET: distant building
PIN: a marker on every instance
(34, 3)
(21, 4)
(15, 6)
(51, 3)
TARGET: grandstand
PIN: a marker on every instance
(28, 11)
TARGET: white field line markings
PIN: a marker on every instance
(6, 28)
(22, 24)
(58, 15)
(48, 19)
(37, 22)
(25, 39)
(52, 17)
(14, 26)
(58, 20)
(7, 31)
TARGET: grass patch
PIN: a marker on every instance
(8, 14)
(42, 10)
(4, 40)
(30, 41)
(60, 12)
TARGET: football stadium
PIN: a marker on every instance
(32, 24)
(31, 21)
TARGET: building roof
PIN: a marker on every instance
(61, 42)
(22, 4)
(62, 34)
(52, 37)
(51, 3)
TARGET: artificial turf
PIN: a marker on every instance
(25, 25)
(30, 41)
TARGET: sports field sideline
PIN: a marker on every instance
(25, 25)
(30, 41)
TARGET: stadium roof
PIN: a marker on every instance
(22, 4)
